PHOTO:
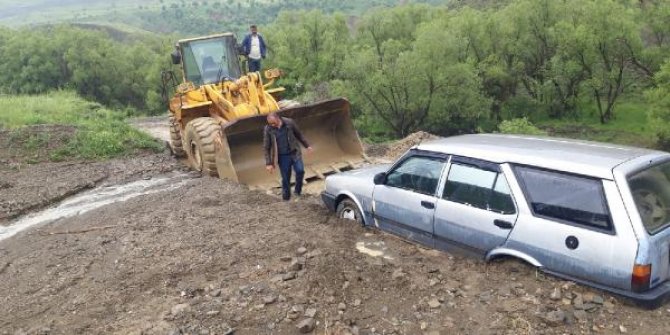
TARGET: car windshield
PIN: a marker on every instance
(651, 192)
(211, 60)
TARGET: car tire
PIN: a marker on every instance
(348, 210)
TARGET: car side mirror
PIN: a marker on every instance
(380, 178)
(176, 58)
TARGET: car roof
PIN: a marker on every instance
(574, 156)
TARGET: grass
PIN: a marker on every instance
(76, 128)
(629, 126)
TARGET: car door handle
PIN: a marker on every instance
(427, 204)
(503, 224)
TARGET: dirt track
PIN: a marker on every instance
(212, 257)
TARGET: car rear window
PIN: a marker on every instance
(565, 197)
(651, 191)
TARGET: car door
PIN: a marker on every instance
(405, 202)
(476, 210)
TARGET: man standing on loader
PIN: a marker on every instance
(254, 48)
(283, 134)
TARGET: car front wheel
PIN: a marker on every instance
(348, 210)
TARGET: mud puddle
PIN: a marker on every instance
(94, 199)
(373, 248)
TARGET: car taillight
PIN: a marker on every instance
(641, 277)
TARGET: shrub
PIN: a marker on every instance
(520, 126)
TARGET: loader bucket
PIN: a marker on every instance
(327, 126)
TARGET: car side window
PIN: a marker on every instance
(501, 198)
(480, 188)
(566, 197)
(418, 174)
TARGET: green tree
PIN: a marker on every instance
(488, 41)
(30, 64)
(90, 62)
(396, 26)
(550, 82)
(654, 16)
(659, 99)
(309, 46)
(599, 36)
(416, 86)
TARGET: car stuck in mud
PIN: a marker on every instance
(589, 212)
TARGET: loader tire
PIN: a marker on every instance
(176, 145)
(199, 144)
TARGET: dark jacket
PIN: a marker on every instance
(246, 45)
(295, 138)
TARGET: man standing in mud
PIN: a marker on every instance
(282, 134)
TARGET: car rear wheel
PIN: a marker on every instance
(348, 210)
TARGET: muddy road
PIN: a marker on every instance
(165, 251)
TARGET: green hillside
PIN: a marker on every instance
(175, 16)
(17, 13)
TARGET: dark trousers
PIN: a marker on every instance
(254, 65)
(286, 164)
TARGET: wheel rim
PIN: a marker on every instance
(348, 213)
(197, 160)
(651, 206)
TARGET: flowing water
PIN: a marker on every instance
(94, 199)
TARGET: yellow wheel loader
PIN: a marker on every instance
(217, 115)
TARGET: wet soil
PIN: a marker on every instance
(32, 144)
(211, 257)
(156, 126)
(28, 187)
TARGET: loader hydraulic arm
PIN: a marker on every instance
(241, 98)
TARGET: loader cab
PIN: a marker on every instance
(210, 59)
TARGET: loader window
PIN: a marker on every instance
(207, 61)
